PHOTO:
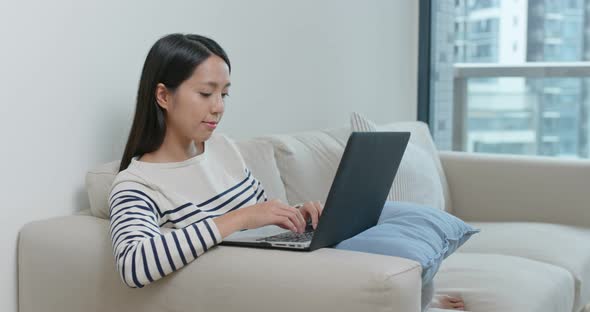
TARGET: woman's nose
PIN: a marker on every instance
(219, 104)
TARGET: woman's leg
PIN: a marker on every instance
(387, 211)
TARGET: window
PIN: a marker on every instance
(482, 4)
(516, 78)
(482, 50)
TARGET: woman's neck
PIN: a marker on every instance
(174, 152)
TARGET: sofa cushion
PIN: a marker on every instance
(258, 155)
(308, 161)
(561, 245)
(417, 179)
(491, 283)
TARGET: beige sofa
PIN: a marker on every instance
(533, 253)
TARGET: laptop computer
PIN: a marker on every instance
(359, 190)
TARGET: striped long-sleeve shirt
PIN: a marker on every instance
(161, 214)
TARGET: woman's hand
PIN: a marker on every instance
(272, 212)
(313, 210)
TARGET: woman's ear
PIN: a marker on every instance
(162, 96)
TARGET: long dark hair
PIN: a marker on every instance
(171, 60)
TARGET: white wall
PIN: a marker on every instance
(69, 72)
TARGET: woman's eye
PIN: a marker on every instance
(223, 95)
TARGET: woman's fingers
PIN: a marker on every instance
(320, 206)
(304, 213)
(287, 222)
(299, 217)
(295, 216)
(315, 214)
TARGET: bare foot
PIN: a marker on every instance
(447, 302)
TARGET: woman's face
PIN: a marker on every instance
(198, 100)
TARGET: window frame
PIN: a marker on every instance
(424, 60)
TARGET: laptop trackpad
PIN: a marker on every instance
(253, 234)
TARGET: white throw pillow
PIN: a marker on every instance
(417, 179)
(260, 159)
(98, 185)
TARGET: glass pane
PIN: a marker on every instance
(486, 111)
(526, 116)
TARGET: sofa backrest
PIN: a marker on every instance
(299, 167)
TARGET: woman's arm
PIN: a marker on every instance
(142, 253)
(258, 187)
(229, 223)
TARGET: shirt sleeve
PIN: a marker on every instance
(258, 188)
(143, 254)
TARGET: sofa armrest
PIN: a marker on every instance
(66, 264)
(488, 187)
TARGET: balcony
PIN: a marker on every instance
(535, 108)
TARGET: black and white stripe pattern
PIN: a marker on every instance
(232, 198)
(143, 253)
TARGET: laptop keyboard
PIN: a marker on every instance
(290, 236)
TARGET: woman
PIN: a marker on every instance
(181, 188)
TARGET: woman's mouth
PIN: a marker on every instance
(211, 125)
